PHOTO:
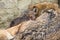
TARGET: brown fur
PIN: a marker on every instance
(41, 6)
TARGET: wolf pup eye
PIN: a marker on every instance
(35, 9)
